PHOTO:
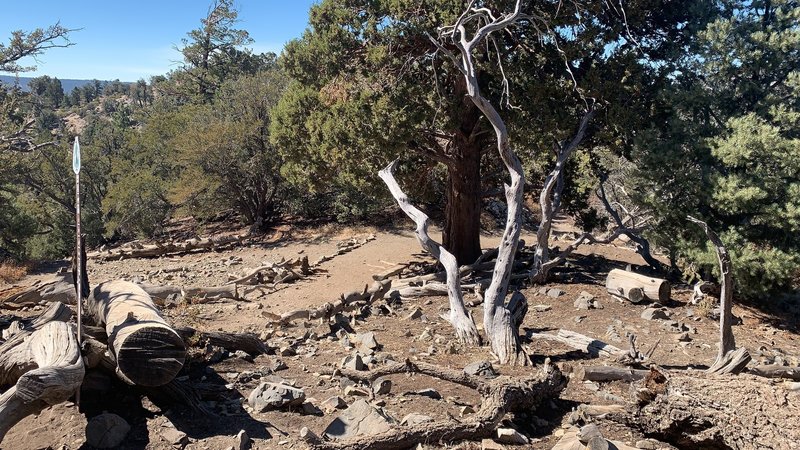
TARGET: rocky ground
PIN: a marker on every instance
(240, 393)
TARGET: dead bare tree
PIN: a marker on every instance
(630, 219)
(729, 359)
(457, 316)
(498, 321)
(550, 202)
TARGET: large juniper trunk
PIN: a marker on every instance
(461, 233)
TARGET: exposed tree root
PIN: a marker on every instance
(499, 396)
(714, 411)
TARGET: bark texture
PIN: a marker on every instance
(499, 396)
(55, 372)
(714, 411)
(147, 350)
(462, 322)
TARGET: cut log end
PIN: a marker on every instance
(151, 356)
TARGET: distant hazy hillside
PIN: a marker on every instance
(68, 85)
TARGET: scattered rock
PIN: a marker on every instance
(541, 308)
(511, 436)
(382, 387)
(355, 391)
(174, 436)
(555, 293)
(106, 430)
(242, 441)
(333, 403)
(369, 342)
(287, 351)
(649, 444)
(359, 419)
(429, 392)
(465, 410)
(415, 313)
(587, 432)
(309, 408)
(353, 362)
(481, 368)
(488, 444)
(415, 419)
(269, 396)
(654, 314)
(683, 337)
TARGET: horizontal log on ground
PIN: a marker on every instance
(630, 285)
(715, 411)
(55, 372)
(329, 309)
(776, 371)
(594, 347)
(390, 272)
(607, 373)
(11, 368)
(147, 350)
(59, 289)
(199, 294)
(135, 250)
(246, 342)
(282, 271)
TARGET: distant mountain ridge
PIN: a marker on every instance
(67, 84)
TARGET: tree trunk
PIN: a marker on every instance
(461, 234)
(148, 352)
(55, 372)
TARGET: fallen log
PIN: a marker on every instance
(55, 373)
(715, 411)
(329, 309)
(776, 371)
(246, 342)
(147, 351)
(59, 289)
(631, 286)
(136, 250)
(592, 346)
(607, 373)
(197, 294)
(11, 368)
(279, 272)
(499, 396)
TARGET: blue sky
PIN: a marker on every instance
(132, 40)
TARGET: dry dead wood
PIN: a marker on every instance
(344, 302)
(550, 201)
(136, 250)
(776, 371)
(59, 289)
(12, 368)
(594, 347)
(196, 294)
(498, 323)
(246, 342)
(459, 318)
(729, 359)
(713, 411)
(54, 372)
(282, 271)
(147, 351)
(607, 373)
(636, 287)
(499, 396)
